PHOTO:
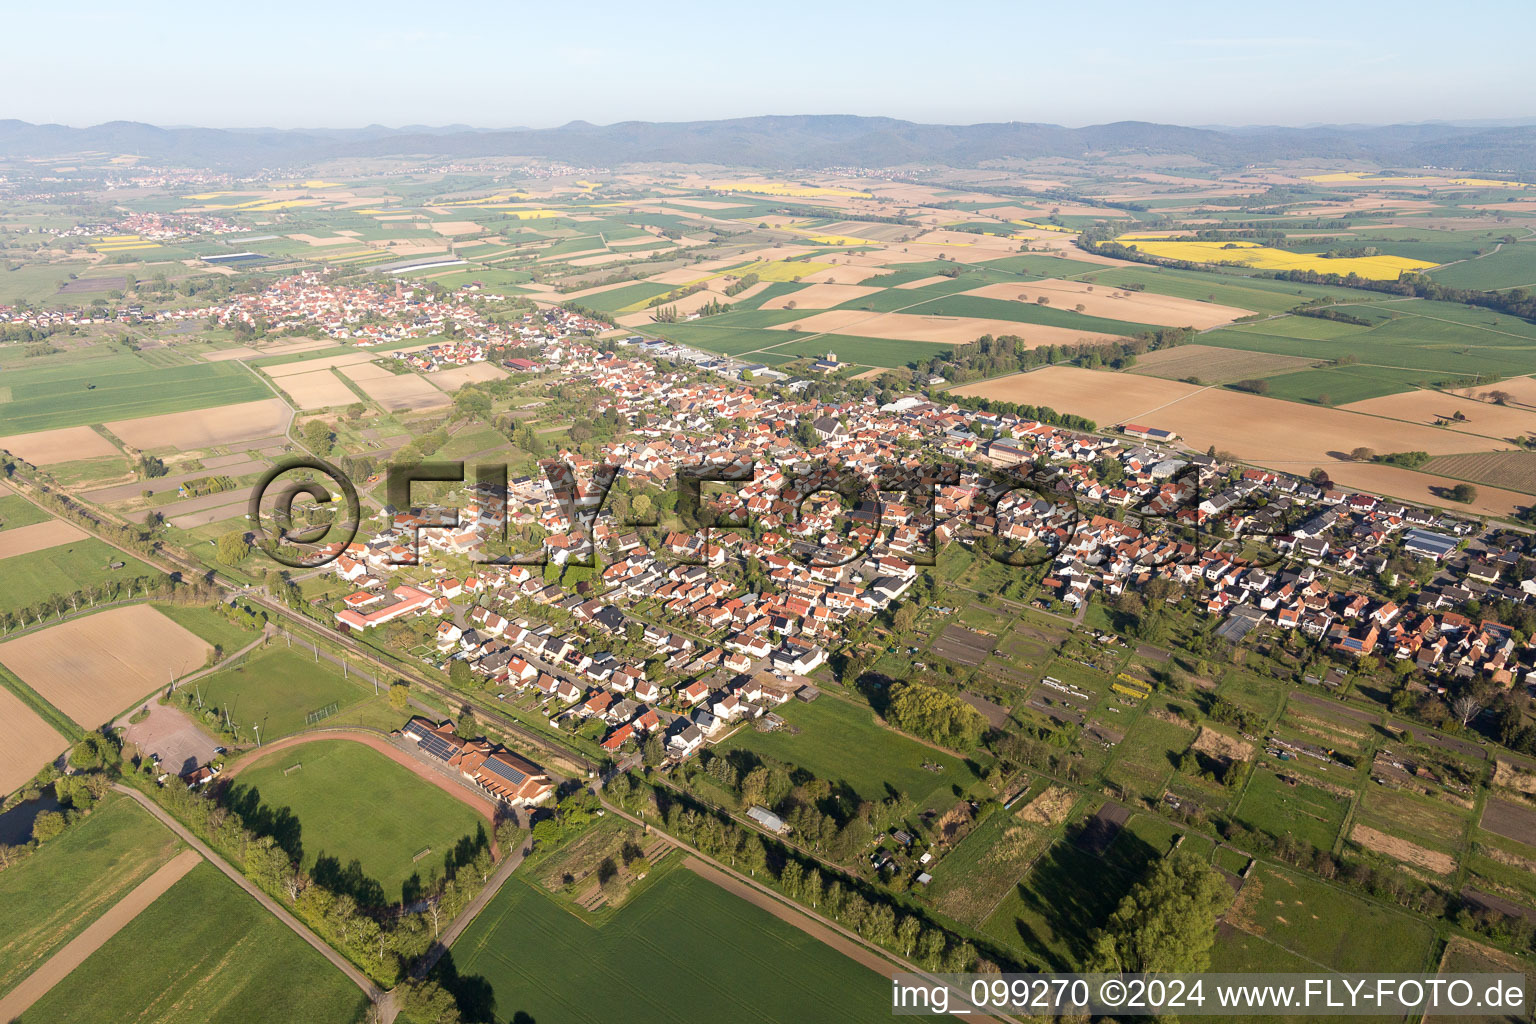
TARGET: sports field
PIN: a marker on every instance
(278, 687)
(203, 952)
(684, 949)
(840, 742)
(50, 897)
(352, 802)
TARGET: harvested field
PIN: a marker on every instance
(1510, 820)
(406, 393)
(1050, 808)
(1401, 849)
(1212, 365)
(922, 282)
(311, 365)
(23, 540)
(843, 275)
(821, 296)
(1513, 471)
(1101, 300)
(1521, 391)
(50, 447)
(317, 390)
(205, 428)
(365, 371)
(946, 330)
(92, 667)
(1246, 425)
(1500, 422)
(458, 376)
(30, 742)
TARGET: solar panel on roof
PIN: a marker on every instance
(506, 772)
(436, 746)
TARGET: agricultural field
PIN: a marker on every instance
(117, 387)
(31, 743)
(48, 899)
(277, 688)
(1513, 471)
(94, 666)
(351, 803)
(839, 741)
(1209, 365)
(62, 568)
(658, 960)
(203, 952)
(1262, 257)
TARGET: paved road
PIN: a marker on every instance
(340, 962)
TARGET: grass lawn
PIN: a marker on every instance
(684, 949)
(840, 742)
(203, 952)
(51, 897)
(64, 569)
(1144, 759)
(277, 687)
(1328, 926)
(1302, 811)
(211, 625)
(352, 802)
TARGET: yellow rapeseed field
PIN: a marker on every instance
(780, 270)
(1263, 257)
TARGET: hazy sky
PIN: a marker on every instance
(327, 63)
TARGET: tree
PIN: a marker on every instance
(48, 825)
(427, 1002)
(317, 437)
(1363, 454)
(233, 548)
(1464, 493)
(1466, 708)
(1166, 923)
(399, 695)
(460, 676)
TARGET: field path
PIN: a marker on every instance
(58, 966)
(484, 805)
(277, 910)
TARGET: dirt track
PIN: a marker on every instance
(484, 805)
(58, 966)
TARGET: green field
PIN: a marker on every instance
(51, 897)
(201, 953)
(840, 742)
(1261, 295)
(976, 875)
(352, 802)
(1513, 266)
(1440, 338)
(63, 569)
(18, 511)
(1048, 916)
(212, 626)
(68, 392)
(1145, 758)
(683, 950)
(277, 687)
(1328, 926)
(1304, 812)
(1340, 385)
